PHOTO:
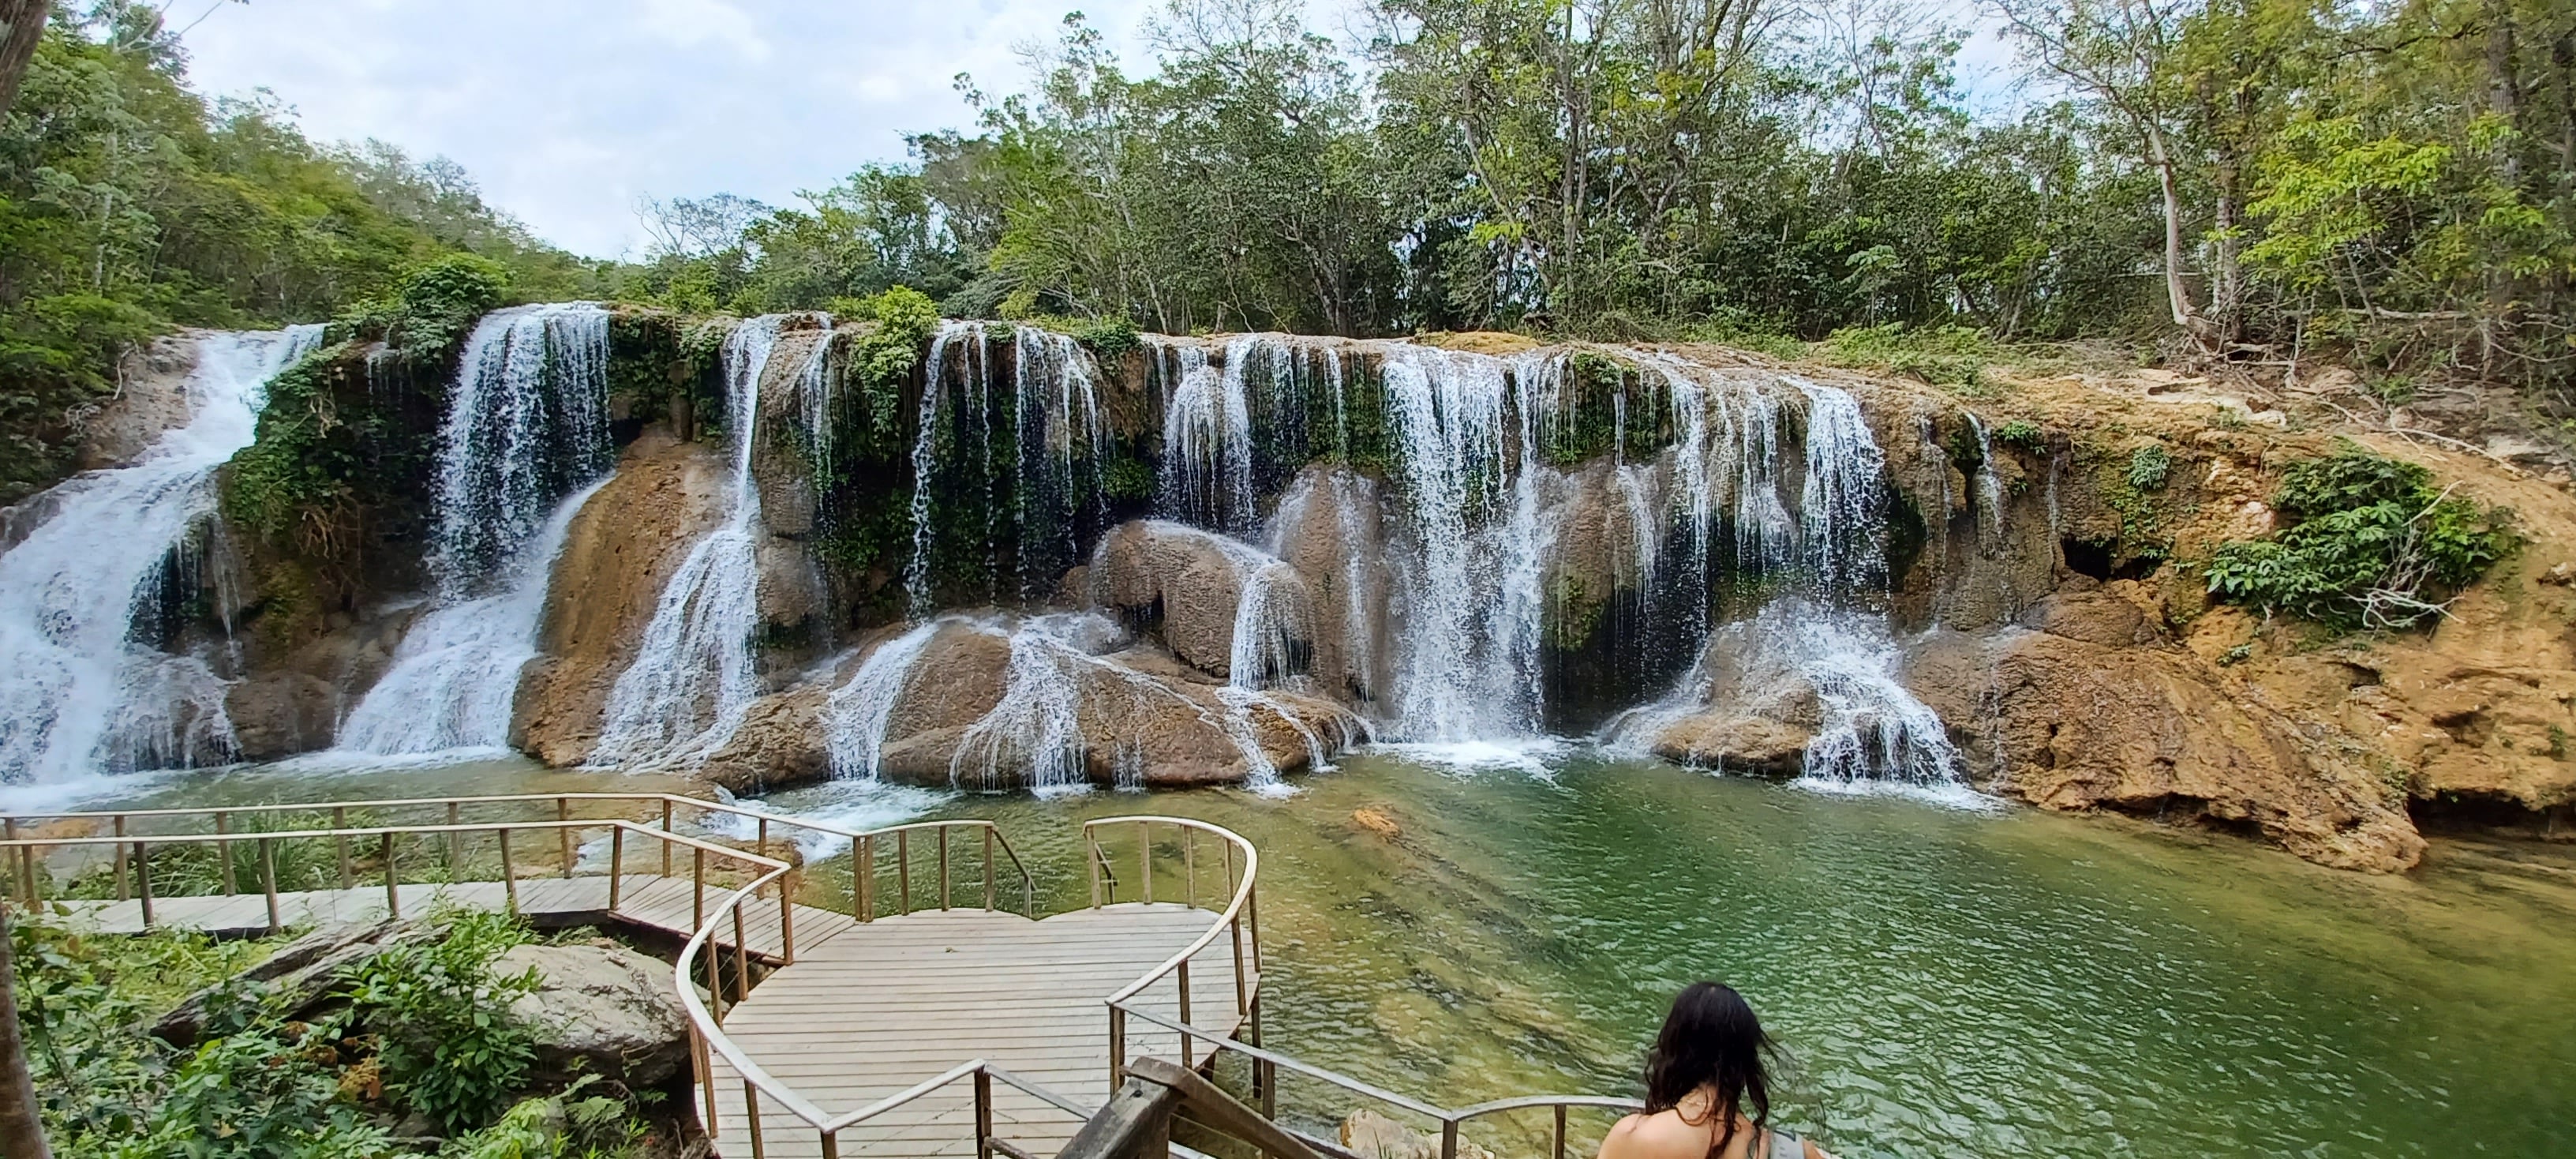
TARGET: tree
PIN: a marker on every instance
(22, 22)
(21, 1135)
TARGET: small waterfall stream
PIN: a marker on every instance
(83, 694)
(526, 424)
(694, 675)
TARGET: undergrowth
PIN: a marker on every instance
(423, 1030)
(2369, 542)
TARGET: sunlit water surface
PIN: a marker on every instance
(1943, 981)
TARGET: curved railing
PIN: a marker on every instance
(1240, 917)
(1235, 858)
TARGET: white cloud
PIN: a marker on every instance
(567, 111)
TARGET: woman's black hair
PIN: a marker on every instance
(1711, 1039)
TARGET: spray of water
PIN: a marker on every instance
(82, 695)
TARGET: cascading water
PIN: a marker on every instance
(694, 676)
(83, 694)
(526, 425)
(1040, 458)
(1207, 437)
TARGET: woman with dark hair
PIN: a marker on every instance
(1708, 1087)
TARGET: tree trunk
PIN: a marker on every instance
(21, 22)
(2177, 291)
(21, 1137)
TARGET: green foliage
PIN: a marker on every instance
(129, 204)
(259, 1088)
(2149, 466)
(566, 1125)
(2024, 434)
(449, 1047)
(2370, 543)
(1952, 356)
(889, 354)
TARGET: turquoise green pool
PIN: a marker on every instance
(1943, 982)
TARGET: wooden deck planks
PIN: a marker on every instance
(893, 1002)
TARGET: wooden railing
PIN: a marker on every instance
(1233, 856)
(1240, 919)
(129, 830)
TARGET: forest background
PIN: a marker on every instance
(2384, 186)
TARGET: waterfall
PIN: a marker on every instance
(694, 677)
(857, 714)
(1842, 515)
(83, 694)
(1990, 487)
(526, 426)
(1040, 457)
(1468, 584)
(455, 677)
(1207, 436)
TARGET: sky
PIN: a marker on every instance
(567, 112)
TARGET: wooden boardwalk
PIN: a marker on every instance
(648, 900)
(881, 1007)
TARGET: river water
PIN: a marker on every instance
(1942, 981)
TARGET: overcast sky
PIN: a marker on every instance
(567, 111)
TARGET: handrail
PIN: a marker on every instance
(1450, 1119)
(860, 838)
(1241, 908)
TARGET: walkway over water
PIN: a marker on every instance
(884, 999)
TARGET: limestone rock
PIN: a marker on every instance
(2157, 732)
(299, 976)
(621, 549)
(600, 1009)
(282, 713)
(1736, 742)
(1178, 578)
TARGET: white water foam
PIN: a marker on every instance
(695, 675)
(82, 695)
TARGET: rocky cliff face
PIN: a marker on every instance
(2022, 591)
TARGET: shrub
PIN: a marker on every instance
(447, 1044)
(2370, 543)
(2024, 434)
(2148, 467)
(564, 1125)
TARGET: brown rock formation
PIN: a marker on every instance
(622, 548)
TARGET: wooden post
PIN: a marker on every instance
(702, 1059)
(903, 869)
(863, 877)
(1242, 992)
(943, 867)
(1448, 1139)
(120, 858)
(751, 1112)
(563, 813)
(741, 959)
(983, 1115)
(455, 844)
(764, 837)
(1190, 868)
(268, 881)
(1145, 862)
(1559, 1153)
(1091, 866)
(393, 895)
(698, 899)
(616, 862)
(666, 835)
(1185, 1011)
(17, 865)
(787, 917)
(224, 850)
(1117, 1046)
(1265, 1074)
(509, 873)
(988, 866)
(143, 880)
(340, 820)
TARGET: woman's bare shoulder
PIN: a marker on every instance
(1658, 1136)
